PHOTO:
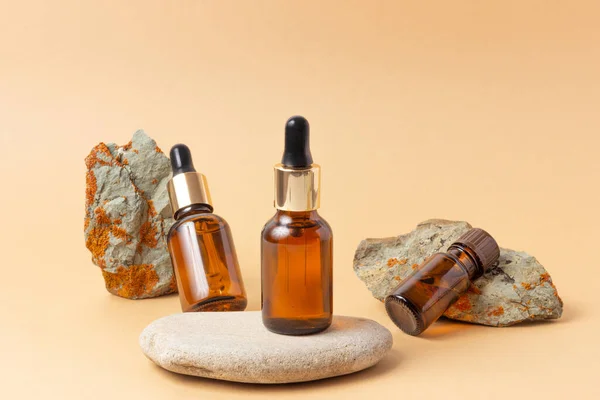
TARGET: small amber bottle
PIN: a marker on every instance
(296, 246)
(200, 243)
(424, 296)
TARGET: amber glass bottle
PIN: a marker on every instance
(200, 243)
(296, 273)
(297, 244)
(424, 296)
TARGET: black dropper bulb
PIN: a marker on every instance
(297, 146)
(181, 159)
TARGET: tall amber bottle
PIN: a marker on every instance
(297, 244)
(200, 243)
(422, 297)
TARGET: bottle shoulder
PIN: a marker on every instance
(202, 221)
(324, 223)
(283, 225)
(297, 219)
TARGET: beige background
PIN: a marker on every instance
(460, 110)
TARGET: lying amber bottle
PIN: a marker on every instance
(297, 244)
(200, 243)
(424, 296)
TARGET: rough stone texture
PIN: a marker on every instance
(517, 289)
(235, 346)
(127, 217)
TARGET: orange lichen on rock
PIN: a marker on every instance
(148, 234)
(397, 278)
(157, 149)
(90, 188)
(119, 233)
(97, 242)
(526, 285)
(98, 238)
(148, 231)
(151, 209)
(154, 181)
(394, 261)
(131, 282)
(463, 304)
(545, 277)
(496, 312)
(101, 217)
(93, 159)
(414, 266)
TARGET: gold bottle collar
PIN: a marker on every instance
(297, 189)
(188, 188)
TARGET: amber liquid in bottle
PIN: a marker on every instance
(297, 250)
(428, 292)
(422, 297)
(205, 262)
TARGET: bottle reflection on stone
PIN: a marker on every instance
(297, 244)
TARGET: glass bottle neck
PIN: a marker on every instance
(467, 260)
(297, 215)
(191, 210)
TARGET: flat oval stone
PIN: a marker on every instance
(235, 346)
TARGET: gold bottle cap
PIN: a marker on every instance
(297, 189)
(188, 188)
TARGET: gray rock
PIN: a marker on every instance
(235, 346)
(517, 289)
(127, 217)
